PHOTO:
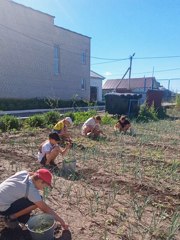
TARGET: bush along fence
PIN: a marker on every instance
(46, 103)
(47, 120)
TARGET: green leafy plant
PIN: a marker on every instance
(106, 119)
(161, 113)
(36, 121)
(8, 122)
(80, 117)
(178, 101)
(147, 114)
(51, 117)
(175, 225)
(70, 114)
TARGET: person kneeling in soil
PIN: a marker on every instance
(19, 196)
(50, 149)
(62, 129)
(91, 127)
(123, 124)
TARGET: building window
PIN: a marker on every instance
(83, 57)
(56, 59)
(83, 83)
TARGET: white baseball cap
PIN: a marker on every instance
(69, 120)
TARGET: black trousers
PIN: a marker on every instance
(17, 206)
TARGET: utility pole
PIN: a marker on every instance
(130, 67)
(169, 84)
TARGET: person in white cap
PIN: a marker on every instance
(61, 128)
(19, 196)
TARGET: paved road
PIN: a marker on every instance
(27, 113)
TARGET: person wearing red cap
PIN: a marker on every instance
(19, 196)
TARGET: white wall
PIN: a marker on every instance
(96, 82)
(27, 39)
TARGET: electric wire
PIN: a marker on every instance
(109, 60)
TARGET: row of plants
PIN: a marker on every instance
(46, 103)
(48, 119)
(8, 122)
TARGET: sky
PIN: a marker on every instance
(120, 28)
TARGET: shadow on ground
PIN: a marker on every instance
(19, 234)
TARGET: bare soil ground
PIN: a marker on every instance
(125, 187)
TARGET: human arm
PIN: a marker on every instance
(46, 209)
(63, 151)
(117, 126)
(103, 133)
(40, 147)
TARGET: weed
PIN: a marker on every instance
(138, 207)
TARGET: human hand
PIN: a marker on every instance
(66, 227)
(68, 145)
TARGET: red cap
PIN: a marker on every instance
(44, 175)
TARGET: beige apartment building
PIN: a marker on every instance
(40, 59)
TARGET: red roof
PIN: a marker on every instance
(147, 82)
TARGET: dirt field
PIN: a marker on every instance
(125, 187)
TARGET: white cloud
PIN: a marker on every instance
(108, 74)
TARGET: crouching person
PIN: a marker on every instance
(123, 124)
(50, 149)
(62, 129)
(19, 196)
(91, 127)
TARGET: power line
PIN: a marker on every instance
(157, 57)
(167, 79)
(120, 59)
(164, 70)
(109, 60)
(123, 59)
(37, 40)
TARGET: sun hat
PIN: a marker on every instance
(44, 175)
(69, 120)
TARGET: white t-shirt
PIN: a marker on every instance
(90, 122)
(14, 188)
(46, 148)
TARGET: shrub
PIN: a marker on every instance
(81, 117)
(70, 114)
(36, 103)
(51, 117)
(161, 113)
(107, 119)
(8, 122)
(36, 121)
(147, 114)
(178, 101)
